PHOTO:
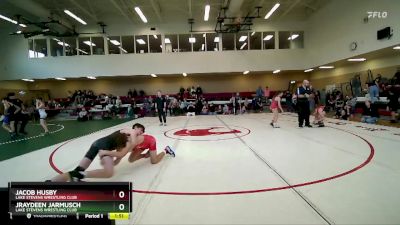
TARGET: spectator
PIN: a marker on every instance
(259, 92)
(245, 106)
(226, 110)
(219, 110)
(199, 91)
(191, 109)
(20, 116)
(193, 91)
(83, 115)
(319, 115)
(339, 105)
(370, 113)
(266, 94)
(130, 93)
(373, 91)
(289, 103)
(393, 104)
(204, 111)
(9, 117)
(211, 109)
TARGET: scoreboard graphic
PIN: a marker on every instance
(83, 200)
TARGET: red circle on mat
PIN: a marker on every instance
(368, 160)
(207, 133)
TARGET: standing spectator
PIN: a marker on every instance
(130, 93)
(373, 91)
(161, 108)
(259, 92)
(9, 117)
(370, 113)
(266, 94)
(303, 105)
(199, 91)
(20, 116)
(199, 106)
(42, 114)
(289, 103)
(193, 92)
(393, 105)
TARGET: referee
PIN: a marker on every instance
(303, 105)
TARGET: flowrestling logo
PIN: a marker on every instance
(377, 15)
(207, 133)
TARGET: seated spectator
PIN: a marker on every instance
(204, 110)
(370, 113)
(130, 113)
(118, 102)
(83, 115)
(319, 116)
(339, 105)
(245, 106)
(219, 110)
(211, 109)
(191, 109)
(226, 110)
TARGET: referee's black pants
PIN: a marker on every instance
(162, 115)
(303, 110)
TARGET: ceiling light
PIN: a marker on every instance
(22, 25)
(155, 36)
(246, 72)
(153, 75)
(192, 40)
(56, 40)
(242, 38)
(8, 19)
(140, 41)
(396, 47)
(18, 32)
(292, 81)
(91, 77)
(115, 42)
(308, 70)
(276, 71)
(80, 50)
(268, 37)
(326, 67)
(59, 78)
(184, 74)
(206, 12)
(272, 10)
(357, 60)
(141, 15)
(69, 13)
(63, 43)
(89, 43)
(167, 41)
(216, 39)
(253, 33)
(294, 36)
(123, 49)
(244, 45)
(28, 80)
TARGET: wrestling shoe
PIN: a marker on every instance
(75, 176)
(169, 151)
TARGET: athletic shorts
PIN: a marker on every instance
(149, 143)
(42, 115)
(93, 151)
(6, 120)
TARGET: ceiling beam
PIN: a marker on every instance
(130, 5)
(83, 10)
(289, 9)
(91, 9)
(157, 9)
(116, 5)
(190, 9)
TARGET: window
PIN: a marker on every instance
(114, 45)
(128, 44)
(255, 40)
(37, 48)
(56, 47)
(171, 43)
(184, 43)
(200, 42)
(70, 46)
(242, 41)
(98, 45)
(84, 46)
(142, 44)
(291, 39)
(269, 40)
(155, 43)
(212, 40)
(228, 41)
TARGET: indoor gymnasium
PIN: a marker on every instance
(200, 111)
